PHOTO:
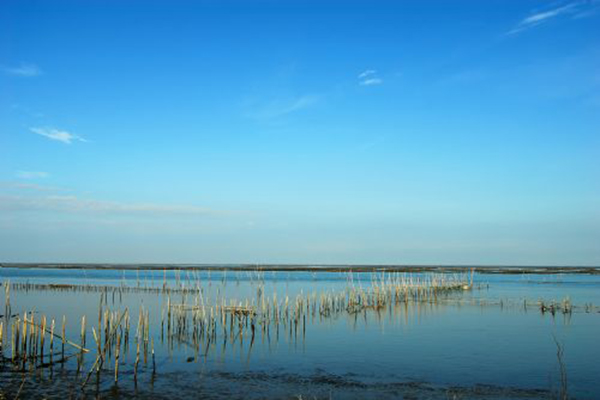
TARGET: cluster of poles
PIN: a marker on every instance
(31, 344)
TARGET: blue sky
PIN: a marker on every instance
(406, 132)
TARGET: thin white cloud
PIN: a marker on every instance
(57, 134)
(32, 174)
(24, 70)
(577, 9)
(36, 187)
(366, 73)
(539, 17)
(369, 77)
(29, 186)
(280, 108)
(592, 7)
(74, 204)
(300, 103)
(371, 82)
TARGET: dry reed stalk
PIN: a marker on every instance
(100, 318)
(64, 322)
(78, 347)
(153, 359)
(137, 361)
(100, 357)
(117, 358)
(24, 339)
(42, 337)
(51, 339)
(83, 331)
(32, 337)
(13, 346)
(98, 347)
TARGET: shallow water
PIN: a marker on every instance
(489, 342)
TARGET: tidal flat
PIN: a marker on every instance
(299, 332)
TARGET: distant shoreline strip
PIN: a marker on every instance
(481, 269)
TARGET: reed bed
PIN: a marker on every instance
(202, 322)
(32, 342)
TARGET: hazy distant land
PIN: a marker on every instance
(483, 269)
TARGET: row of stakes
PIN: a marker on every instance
(40, 343)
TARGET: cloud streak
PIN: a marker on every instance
(577, 9)
(32, 174)
(280, 108)
(369, 78)
(371, 82)
(58, 135)
(23, 70)
(76, 205)
(366, 73)
(11, 187)
(299, 104)
(36, 187)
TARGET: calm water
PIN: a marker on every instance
(483, 343)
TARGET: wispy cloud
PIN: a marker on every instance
(371, 81)
(24, 70)
(74, 204)
(366, 73)
(299, 104)
(57, 134)
(590, 11)
(20, 187)
(369, 78)
(280, 108)
(36, 187)
(576, 9)
(32, 174)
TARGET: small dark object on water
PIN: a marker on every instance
(190, 359)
